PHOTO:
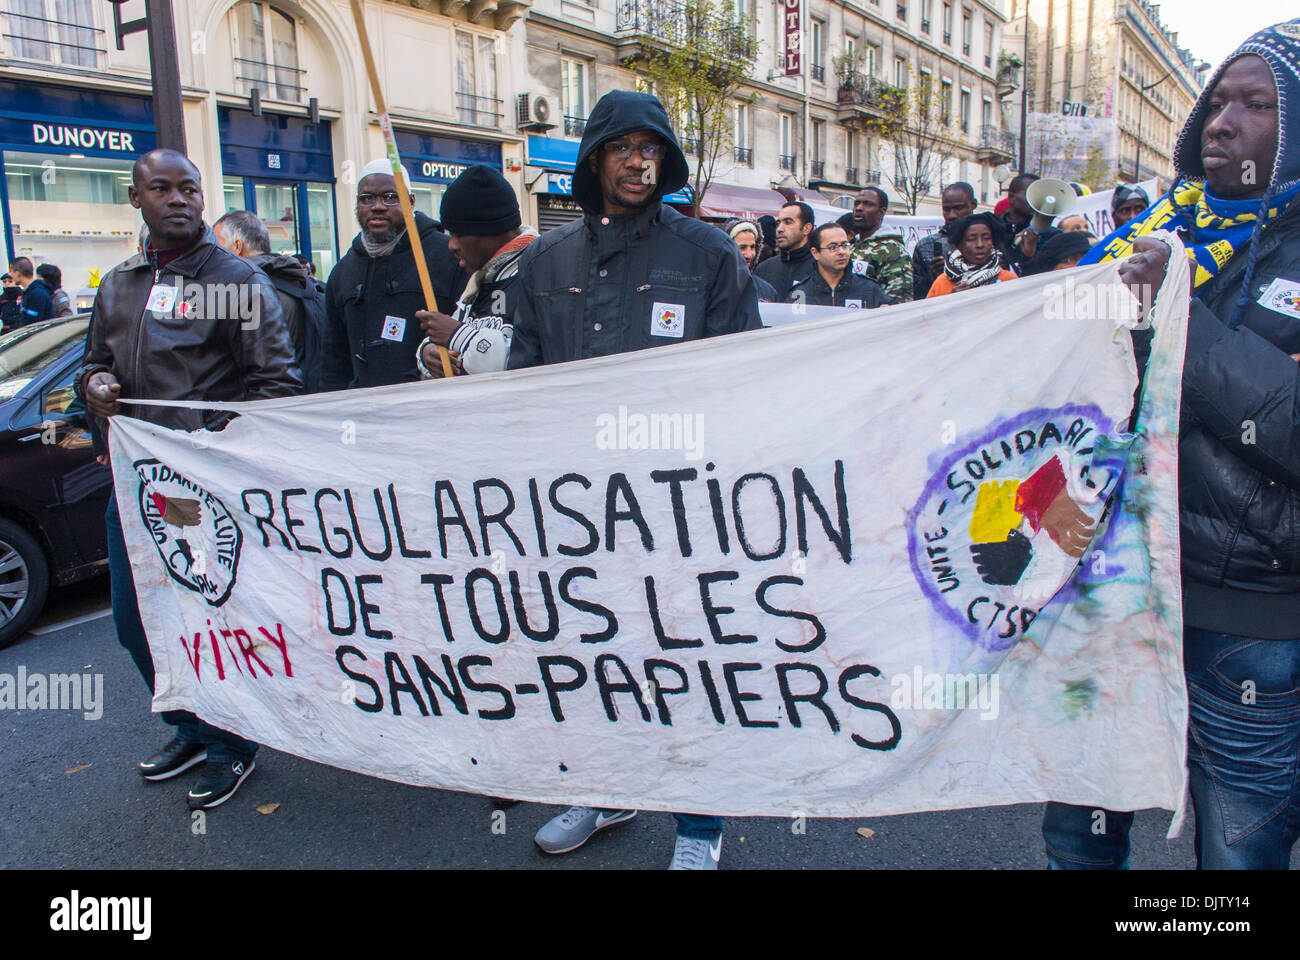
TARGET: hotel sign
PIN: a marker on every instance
(793, 37)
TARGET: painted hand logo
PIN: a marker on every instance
(1006, 519)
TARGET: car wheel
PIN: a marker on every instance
(24, 581)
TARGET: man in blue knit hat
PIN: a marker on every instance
(1234, 207)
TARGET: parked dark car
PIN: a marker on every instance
(53, 493)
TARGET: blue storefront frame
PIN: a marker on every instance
(303, 153)
(436, 158)
(25, 107)
(559, 157)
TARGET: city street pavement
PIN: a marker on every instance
(72, 799)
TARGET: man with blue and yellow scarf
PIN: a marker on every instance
(1233, 205)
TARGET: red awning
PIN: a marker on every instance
(803, 193)
(748, 203)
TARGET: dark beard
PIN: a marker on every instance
(385, 236)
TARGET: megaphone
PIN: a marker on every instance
(1049, 199)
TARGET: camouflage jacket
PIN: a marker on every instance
(884, 259)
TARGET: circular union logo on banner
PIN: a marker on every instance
(1006, 519)
(196, 536)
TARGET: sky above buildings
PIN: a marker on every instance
(1212, 29)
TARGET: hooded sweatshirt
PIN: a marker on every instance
(609, 283)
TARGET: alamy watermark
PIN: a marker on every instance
(55, 691)
(651, 431)
(946, 691)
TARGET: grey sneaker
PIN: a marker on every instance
(694, 853)
(576, 826)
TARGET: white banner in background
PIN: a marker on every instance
(1095, 208)
(855, 566)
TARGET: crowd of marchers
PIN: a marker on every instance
(634, 273)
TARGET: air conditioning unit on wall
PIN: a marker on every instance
(533, 113)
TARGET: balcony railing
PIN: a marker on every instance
(274, 80)
(819, 168)
(947, 38)
(902, 11)
(787, 161)
(574, 126)
(988, 60)
(29, 38)
(925, 26)
(860, 88)
(994, 139)
(965, 49)
(871, 176)
(818, 72)
(690, 146)
(923, 187)
(478, 111)
(744, 155)
(850, 174)
(677, 24)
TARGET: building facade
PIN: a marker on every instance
(278, 114)
(809, 134)
(1109, 59)
(270, 97)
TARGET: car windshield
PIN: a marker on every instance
(27, 351)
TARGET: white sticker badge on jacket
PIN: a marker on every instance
(1282, 296)
(854, 304)
(162, 298)
(860, 267)
(668, 320)
(394, 328)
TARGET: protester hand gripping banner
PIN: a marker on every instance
(854, 566)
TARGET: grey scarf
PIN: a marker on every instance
(379, 249)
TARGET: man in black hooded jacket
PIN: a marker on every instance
(372, 294)
(1238, 467)
(632, 273)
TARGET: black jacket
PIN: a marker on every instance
(608, 284)
(816, 292)
(786, 269)
(1240, 487)
(205, 350)
(362, 291)
(38, 303)
(927, 248)
(293, 274)
(766, 292)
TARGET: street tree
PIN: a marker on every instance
(696, 57)
(920, 130)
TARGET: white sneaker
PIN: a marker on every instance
(694, 853)
(576, 826)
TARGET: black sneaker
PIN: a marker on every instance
(219, 783)
(173, 760)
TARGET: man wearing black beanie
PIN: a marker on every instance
(481, 213)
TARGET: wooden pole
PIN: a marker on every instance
(168, 118)
(403, 192)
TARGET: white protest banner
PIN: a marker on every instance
(1095, 208)
(854, 566)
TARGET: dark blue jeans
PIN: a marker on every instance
(222, 747)
(1243, 758)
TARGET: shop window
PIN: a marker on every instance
(71, 211)
(266, 52)
(54, 31)
(477, 103)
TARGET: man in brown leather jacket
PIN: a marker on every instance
(183, 320)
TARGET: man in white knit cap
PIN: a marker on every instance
(371, 333)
